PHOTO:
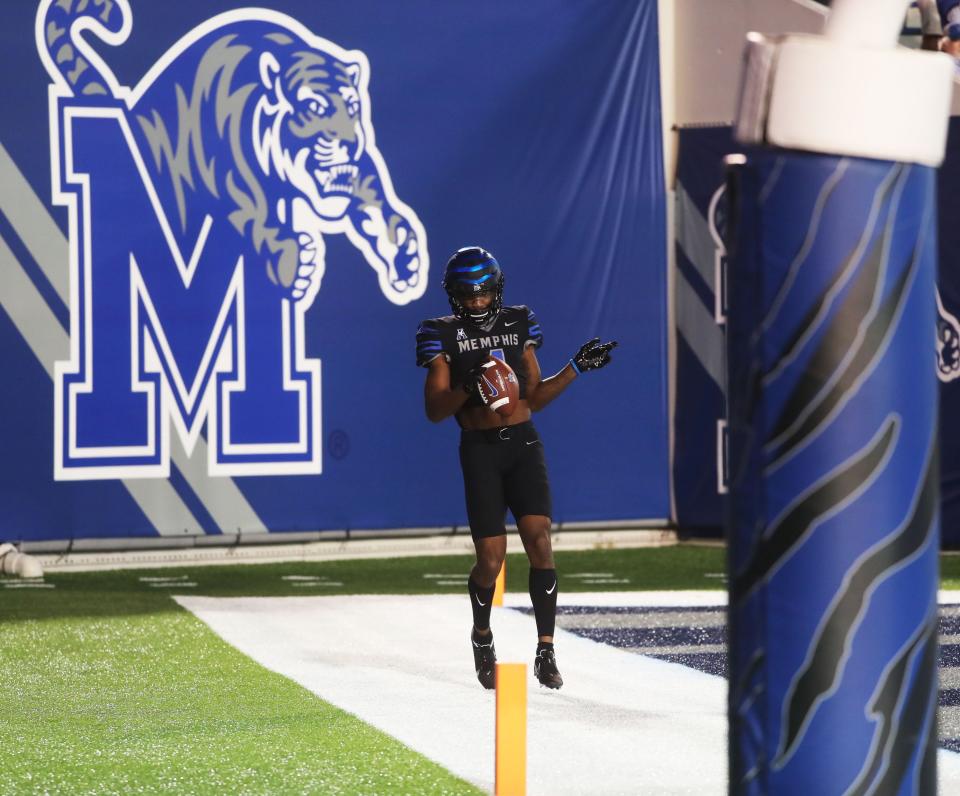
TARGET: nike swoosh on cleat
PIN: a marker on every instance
(554, 586)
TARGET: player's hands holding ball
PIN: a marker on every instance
(592, 355)
(472, 377)
(496, 384)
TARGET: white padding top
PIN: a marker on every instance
(830, 95)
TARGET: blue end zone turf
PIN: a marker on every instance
(676, 634)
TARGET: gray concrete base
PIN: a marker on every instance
(337, 549)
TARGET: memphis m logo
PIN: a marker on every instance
(198, 203)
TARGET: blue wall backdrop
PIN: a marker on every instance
(948, 336)
(700, 403)
(532, 129)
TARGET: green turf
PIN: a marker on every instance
(950, 571)
(111, 687)
(121, 691)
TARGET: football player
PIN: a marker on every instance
(501, 457)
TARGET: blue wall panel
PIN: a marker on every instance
(948, 336)
(701, 355)
(531, 129)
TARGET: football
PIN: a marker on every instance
(499, 388)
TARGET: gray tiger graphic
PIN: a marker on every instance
(253, 119)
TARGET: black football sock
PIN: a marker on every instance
(481, 601)
(543, 595)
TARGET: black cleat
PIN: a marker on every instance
(545, 668)
(484, 659)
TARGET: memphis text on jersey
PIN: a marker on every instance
(486, 343)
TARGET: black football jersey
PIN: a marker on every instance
(464, 344)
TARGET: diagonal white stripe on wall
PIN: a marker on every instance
(30, 314)
(29, 217)
(693, 236)
(220, 496)
(33, 224)
(700, 331)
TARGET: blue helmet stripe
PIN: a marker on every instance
(469, 268)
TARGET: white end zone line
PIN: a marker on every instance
(623, 722)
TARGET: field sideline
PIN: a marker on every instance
(112, 687)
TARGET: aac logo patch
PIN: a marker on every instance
(199, 201)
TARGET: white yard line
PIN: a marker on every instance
(623, 723)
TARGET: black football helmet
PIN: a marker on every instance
(470, 272)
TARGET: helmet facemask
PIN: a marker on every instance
(479, 318)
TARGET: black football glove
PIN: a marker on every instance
(592, 355)
(472, 376)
